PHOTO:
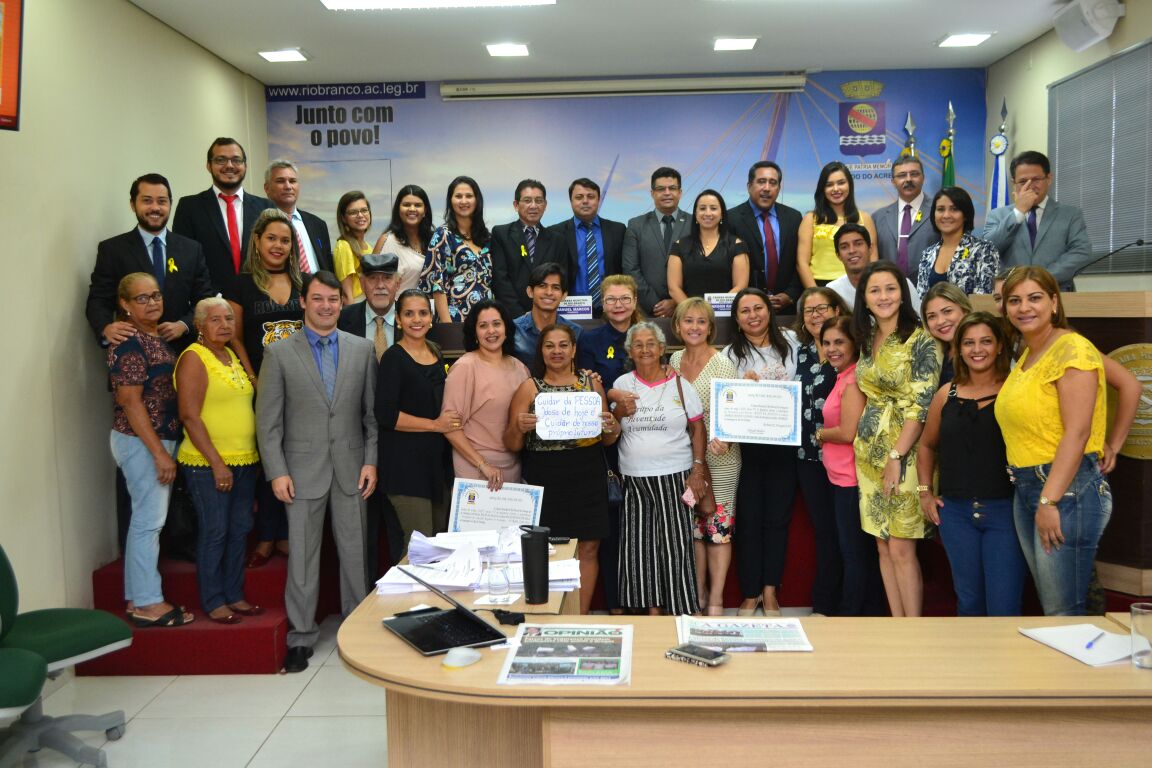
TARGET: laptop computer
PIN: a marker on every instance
(433, 631)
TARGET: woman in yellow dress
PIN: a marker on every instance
(835, 204)
(354, 217)
(898, 372)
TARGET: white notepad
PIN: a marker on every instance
(1074, 638)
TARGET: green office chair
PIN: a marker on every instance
(61, 637)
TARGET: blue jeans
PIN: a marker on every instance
(1062, 575)
(225, 520)
(149, 511)
(984, 552)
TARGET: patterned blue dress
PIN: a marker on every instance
(463, 275)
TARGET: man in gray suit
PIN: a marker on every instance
(904, 228)
(316, 428)
(648, 241)
(1038, 230)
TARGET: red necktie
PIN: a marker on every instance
(770, 258)
(305, 267)
(233, 230)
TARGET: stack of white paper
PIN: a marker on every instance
(460, 570)
(424, 549)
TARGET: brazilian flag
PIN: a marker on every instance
(949, 175)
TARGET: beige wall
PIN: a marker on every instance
(108, 93)
(1023, 78)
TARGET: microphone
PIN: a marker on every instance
(1138, 241)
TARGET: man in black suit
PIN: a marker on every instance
(375, 319)
(773, 262)
(175, 261)
(648, 242)
(210, 216)
(518, 247)
(282, 185)
(584, 235)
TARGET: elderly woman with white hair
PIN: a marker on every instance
(219, 458)
(662, 459)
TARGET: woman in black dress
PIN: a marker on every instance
(413, 454)
(710, 259)
(572, 472)
(265, 302)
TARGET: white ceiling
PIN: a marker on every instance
(590, 38)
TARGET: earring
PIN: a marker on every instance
(200, 339)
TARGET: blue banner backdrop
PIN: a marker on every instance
(377, 137)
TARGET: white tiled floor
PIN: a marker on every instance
(262, 721)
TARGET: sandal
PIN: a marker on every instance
(251, 610)
(174, 618)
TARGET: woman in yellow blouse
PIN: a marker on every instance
(835, 204)
(898, 372)
(219, 459)
(354, 217)
(1052, 412)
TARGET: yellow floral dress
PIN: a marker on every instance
(899, 380)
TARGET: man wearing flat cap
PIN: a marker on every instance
(375, 320)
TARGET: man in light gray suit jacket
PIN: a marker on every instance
(316, 427)
(648, 240)
(1036, 229)
(908, 178)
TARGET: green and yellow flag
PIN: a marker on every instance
(949, 176)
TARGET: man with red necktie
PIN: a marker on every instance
(282, 185)
(770, 228)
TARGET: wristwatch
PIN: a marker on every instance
(1046, 502)
(895, 455)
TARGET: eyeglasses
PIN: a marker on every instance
(228, 161)
(144, 298)
(908, 175)
(644, 346)
(817, 309)
(358, 212)
(532, 201)
(669, 188)
(622, 300)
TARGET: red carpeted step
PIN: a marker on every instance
(254, 646)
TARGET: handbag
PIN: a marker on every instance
(706, 504)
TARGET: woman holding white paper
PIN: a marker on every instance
(698, 364)
(662, 449)
(572, 472)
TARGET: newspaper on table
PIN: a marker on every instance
(743, 635)
(569, 654)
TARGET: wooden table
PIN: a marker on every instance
(876, 692)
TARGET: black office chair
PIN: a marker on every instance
(61, 637)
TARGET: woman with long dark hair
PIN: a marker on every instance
(408, 235)
(898, 371)
(710, 259)
(461, 269)
(835, 204)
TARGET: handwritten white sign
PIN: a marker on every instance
(568, 415)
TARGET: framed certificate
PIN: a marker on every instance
(745, 411)
(475, 508)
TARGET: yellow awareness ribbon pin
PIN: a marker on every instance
(172, 265)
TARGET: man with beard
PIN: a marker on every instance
(176, 262)
(904, 228)
(221, 217)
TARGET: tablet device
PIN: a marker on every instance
(434, 631)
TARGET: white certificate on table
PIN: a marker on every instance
(745, 411)
(475, 508)
(568, 415)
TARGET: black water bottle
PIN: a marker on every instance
(534, 551)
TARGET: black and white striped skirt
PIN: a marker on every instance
(657, 565)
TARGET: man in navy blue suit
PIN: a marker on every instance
(175, 261)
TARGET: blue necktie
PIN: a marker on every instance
(530, 243)
(158, 261)
(1032, 227)
(327, 366)
(592, 265)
